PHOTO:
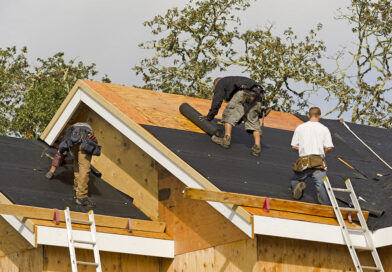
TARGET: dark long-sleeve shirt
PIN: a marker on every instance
(225, 89)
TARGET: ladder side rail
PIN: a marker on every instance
(345, 234)
(94, 240)
(362, 220)
(71, 245)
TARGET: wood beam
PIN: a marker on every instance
(100, 220)
(258, 202)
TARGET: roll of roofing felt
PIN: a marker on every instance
(194, 116)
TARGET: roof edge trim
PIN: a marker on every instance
(315, 232)
(20, 227)
(147, 142)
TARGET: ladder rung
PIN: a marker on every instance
(348, 209)
(78, 221)
(84, 242)
(86, 263)
(363, 248)
(342, 190)
(371, 267)
(356, 229)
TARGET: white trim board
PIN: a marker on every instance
(81, 96)
(316, 232)
(20, 227)
(108, 242)
(383, 237)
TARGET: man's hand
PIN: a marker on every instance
(295, 147)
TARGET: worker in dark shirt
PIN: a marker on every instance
(80, 140)
(246, 103)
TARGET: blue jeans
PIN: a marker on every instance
(316, 176)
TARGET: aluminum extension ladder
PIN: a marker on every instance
(347, 231)
(72, 241)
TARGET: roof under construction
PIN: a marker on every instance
(152, 121)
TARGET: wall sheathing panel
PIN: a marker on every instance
(234, 257)
(30, 260)
(123, 164)
(283, 254)
(192, 224)
(56, 259)
(386, 257)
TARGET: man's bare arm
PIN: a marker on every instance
(294, 147)
(327, 149)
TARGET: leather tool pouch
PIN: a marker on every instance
(309, 162)
(91, 147)
(248, 98)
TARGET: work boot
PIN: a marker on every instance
(85, 202)
(298, 190)
(49, 175)
(224, 142)
(256, 149)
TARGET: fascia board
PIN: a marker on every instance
(382, 237)
(302, 230)
(108, 242)
(316, 232)
(146, 146)
(20, 227)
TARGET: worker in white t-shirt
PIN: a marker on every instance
(312, 140)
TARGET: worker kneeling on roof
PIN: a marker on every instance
(312, 140)
(246, 103)
(80, 140)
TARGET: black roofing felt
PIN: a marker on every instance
(22, 170)
(235, 170)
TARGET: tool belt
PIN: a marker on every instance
(309, 162)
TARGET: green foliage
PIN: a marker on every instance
(30, 97)
(191, 41)
(368, 79)
(279, 62)
(204, 37)
(13, 70)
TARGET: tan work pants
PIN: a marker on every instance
(82, 162)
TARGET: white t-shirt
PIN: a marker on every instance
(311, 138)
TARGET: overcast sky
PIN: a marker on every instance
(108, 32)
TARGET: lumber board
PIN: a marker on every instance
(100, 220)
(121, 231)
(298, 216)
(258, 202)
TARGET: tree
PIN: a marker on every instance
(205, 38)
(369, 93)
(13, 71)
(31, 96)
(192, 40)
(289, 69)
